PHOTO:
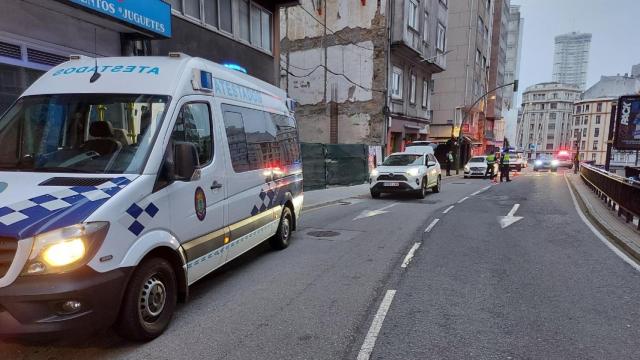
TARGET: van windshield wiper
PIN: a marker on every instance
(59, 169)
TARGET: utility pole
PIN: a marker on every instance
(612, 124)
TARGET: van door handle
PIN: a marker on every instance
(216, 185)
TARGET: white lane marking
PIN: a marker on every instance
(370, 213)
(463, 199)
(448, 209)
(409, 257)
(430, 227)
(486, 188)
(597, 233)
(376, 325)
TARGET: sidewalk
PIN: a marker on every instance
(320, 197)
(606, 220)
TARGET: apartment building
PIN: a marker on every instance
(494, 125)
(512, 69)
(571, 59)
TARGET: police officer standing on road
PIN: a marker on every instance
(491, 161)
(504, 167)
(449, 162)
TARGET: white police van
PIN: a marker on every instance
(124, 180)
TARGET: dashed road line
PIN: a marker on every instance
(409, 257)
(462, 200)
(430, 227)
(376, 325)
(448, 209)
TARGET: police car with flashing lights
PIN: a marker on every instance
(406, 172)
(126, 180)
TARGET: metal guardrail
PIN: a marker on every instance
(614, 190)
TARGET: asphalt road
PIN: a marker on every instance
(544, 287)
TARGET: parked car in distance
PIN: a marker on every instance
(564, 159)
(545, 163)
(477, 166)
(406, 172)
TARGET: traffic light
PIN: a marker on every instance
(515, 85)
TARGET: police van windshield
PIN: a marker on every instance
(80, 133)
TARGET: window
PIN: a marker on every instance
(412, 96)
(176, 5)
(425, 28)
(577, 121)
(488, 5)
(553, 105)
(595, 144)
(478, 56)
(599, 107)
(412, 15)
(584, 133)
(259, 139)
(596, 132)
(586, 108)
(480, 26)
(552, 116)
(549, 146)
(597, 119)
(211, 12)
(484, 62)
(260, 28)
(192, 8)
(583, 145)
(244, 20)
(578, 109)
(551, 126)
(396, 83)
(593, 156)
(441, 37)
(224, 8)
(194, 125)
(425, 95)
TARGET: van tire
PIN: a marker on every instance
(159, 274)
(281, 239)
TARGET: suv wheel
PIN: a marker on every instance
(438, 186)
(423, 189)
(375, 194)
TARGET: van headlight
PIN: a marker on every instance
(65, 249)
(413, 172)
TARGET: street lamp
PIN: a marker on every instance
(460, 133)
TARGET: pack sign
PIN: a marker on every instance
(628, 123)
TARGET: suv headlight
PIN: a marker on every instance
(466, 168)
(413, 172)
(65, 249)
(555, 162)
(538, 162)
(374, 172)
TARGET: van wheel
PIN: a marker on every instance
(149, 301)
(438, 186)
(281, 239)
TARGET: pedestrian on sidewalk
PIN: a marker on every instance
(504, 167)
(449, 162)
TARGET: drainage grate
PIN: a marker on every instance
(323, 233)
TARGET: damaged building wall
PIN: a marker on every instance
(337, 75)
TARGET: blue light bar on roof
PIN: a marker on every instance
(206, 80)
(235, 67)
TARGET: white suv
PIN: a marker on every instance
(406, 172)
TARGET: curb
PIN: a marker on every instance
(601, 227)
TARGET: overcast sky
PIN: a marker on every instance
(613, 23)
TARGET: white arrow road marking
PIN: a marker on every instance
(370, 213)
(376, 325)
(409, 257)
(510, 218)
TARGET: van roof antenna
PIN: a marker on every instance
(96, 75)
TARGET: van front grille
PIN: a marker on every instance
(8, 247)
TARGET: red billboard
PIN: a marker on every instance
(628, 123)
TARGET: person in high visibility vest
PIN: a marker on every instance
(491, 161)
(504, 167)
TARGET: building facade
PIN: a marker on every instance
(594, 115)
(571, 59)
(466, 78)
(365, 77)
(512, 69)
(545, 126)
(494, 125)
(36, 35)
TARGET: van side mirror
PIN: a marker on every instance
(186, 161)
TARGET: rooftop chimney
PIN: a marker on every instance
(635, 70)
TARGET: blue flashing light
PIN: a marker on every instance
(235, 67)
(206, 80)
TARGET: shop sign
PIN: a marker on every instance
(149, 15)
(628, 123)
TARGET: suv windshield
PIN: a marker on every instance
(80, 133)
(403, 160)
(477, 160)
